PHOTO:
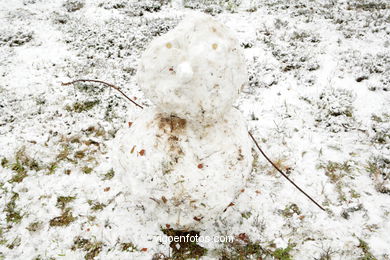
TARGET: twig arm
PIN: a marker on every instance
(105, 83)
(281, 172)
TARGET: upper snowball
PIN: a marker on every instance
(194, 71)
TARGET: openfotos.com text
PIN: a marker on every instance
(197, 239)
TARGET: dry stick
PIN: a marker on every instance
(281, 172)
(254, 140)
(108, 84)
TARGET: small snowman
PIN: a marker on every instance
(188, 157)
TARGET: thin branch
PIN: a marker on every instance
(281, 172)
(102, 82)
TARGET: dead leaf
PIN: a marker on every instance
(164, 199)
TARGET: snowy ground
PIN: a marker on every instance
(317, 100)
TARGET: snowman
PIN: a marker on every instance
(188, 157)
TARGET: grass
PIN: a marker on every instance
(335, 170)
(86, 170)
(35, 226)
(128, 247)
(79, 107)
(62, 201)
(283, 253)
(20, 171)
(243, 248)
(184, 249)
(93, 248)
(367, 255)
(96, 206)
(12, 215)
(290, 210)
(109, 175)
(64, 220)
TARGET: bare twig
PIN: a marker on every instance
(105, 83)
(281, 172)
(250, 134)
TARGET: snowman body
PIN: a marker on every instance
(187, 158)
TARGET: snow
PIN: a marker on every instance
(316, 100)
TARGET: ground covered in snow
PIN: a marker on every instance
(317, 99)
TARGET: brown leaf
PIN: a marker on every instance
(200, 166)
(132, 149)
(142, 152)
(106, 189)
(164, 199)
(244, 237)
(130, 123)
(198, 219)
(144, 249)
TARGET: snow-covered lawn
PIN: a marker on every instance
(317, 100)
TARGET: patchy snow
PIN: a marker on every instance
(317, 100)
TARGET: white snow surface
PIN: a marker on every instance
(317, 101)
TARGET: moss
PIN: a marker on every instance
(109, 175)
(184, 249)
(64, 220)
(79, 107)
(62, 201)
(12, 215)
(93, 249)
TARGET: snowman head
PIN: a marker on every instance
(194, 71)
